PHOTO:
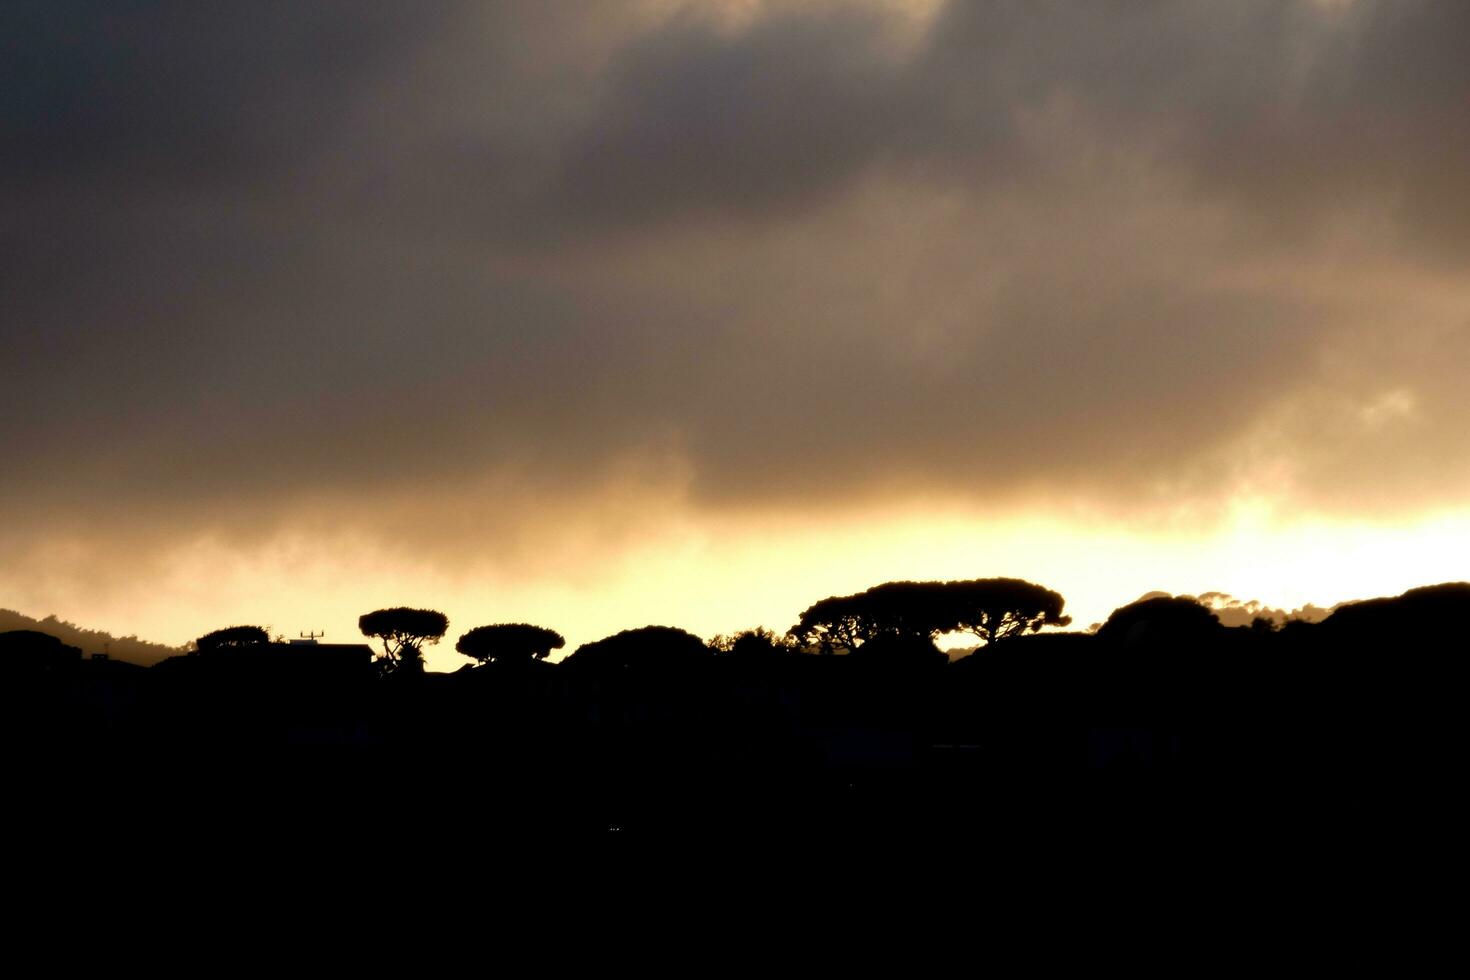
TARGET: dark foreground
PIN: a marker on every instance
(1297, 741)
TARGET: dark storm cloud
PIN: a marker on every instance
(691, 119)
(254, 254)
(1285, 106)
(173, 95)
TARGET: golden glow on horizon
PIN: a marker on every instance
(719, 576)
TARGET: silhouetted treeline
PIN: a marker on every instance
(854, 718)
(128, 648)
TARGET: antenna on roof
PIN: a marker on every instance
(312, 636)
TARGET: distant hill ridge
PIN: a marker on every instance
(128, 648)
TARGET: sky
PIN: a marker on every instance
(601, 314)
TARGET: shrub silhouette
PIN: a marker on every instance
(233, 638)
(755, 644)
(894, 650)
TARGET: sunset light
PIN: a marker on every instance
(562, 416)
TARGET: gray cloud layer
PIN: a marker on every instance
(1127, 252)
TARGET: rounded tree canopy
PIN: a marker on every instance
(997, 608)
(910, 609)
(1430, 612)
(423, 624)
(833, 622)
(509, 641)
(32, 648)
(992, 609)
(1159, 619)
(233, 638)
(651, 647)
(403, 631)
